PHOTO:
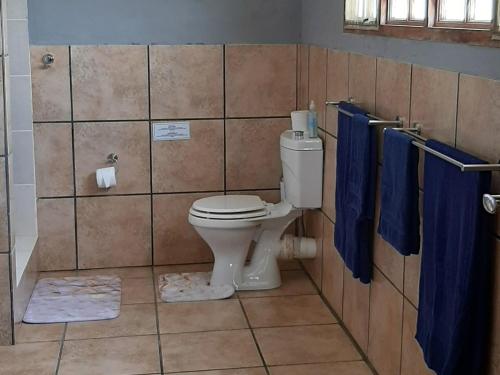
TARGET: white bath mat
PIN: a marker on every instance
(72, 299)
(193, 286)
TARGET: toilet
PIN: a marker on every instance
(229, 223)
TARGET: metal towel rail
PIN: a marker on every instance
(490, 202)
(375, 121)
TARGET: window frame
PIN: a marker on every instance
(416, 23)
(428, 30)
(352, 25)
(463, 25)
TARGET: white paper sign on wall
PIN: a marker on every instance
(171, 131)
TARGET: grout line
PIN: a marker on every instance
(253, 336)
(151, 201)
(165, 193)
(162, 369)
(94, 121)
(456, 108)
(224, 114)
(63, 338)
(73, 154)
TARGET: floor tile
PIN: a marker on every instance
(305, 344)
(38, 332)
(111, 356)
(134, 320)
(209, 350)
(124, 273)
(138, 290)
(287, 311)
(241, 371)
(177, 268)
(29, 359)
(294, 282)
(340, 368)
(56, 274)
(201, 316)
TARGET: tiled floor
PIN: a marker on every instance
(283, 331)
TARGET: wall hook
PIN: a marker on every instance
(48, 59)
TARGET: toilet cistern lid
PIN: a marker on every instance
(229, 204)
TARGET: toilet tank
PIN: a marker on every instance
(302, 160)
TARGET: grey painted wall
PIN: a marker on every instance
(322, 24)
(237, 21)
(164, 21)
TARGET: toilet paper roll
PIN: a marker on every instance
(106, 177)
(299, 120)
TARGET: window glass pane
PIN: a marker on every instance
(418, 10)
(361, 11)
(481, 11)
(453, 10)
(398, 9)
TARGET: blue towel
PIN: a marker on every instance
(452, 323)
(399, 222)
(355, 191)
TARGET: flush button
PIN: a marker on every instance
(298, 135)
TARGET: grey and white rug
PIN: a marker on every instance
(192, 286)
(72, 299)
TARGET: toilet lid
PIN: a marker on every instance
(229, 207)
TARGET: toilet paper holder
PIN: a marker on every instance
(112, 158)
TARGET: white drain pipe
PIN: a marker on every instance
(293, 247)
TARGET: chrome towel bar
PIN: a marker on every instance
(375, 121)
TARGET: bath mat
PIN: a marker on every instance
(189, 287)
(74, 299)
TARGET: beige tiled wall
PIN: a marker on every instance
(455, 108)
(95, 100)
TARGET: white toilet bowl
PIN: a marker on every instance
(229, 223)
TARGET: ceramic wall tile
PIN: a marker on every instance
(5, 301)
(53, 159)
(260, 80)
(303, 77)
(337, 86)
(114, 231)
(51, 84)
(196, 164)
(313, 221)
(362, 80)
(110, 82)
(333, 270)
(356, 307)
(187, 81)
(317, 81)
(95, 141)
(56, 234)
(175, 239)
(434, 102)
(253, 153)
(386, 317)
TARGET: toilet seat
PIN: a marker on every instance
(229, 207)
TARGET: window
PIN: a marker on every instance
(361, 12)
(475, 22)
(407, 11)
(465, 13)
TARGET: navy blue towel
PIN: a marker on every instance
(455, 282)
(355, 191)
(399, 222)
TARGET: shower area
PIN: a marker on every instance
(18, 213)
